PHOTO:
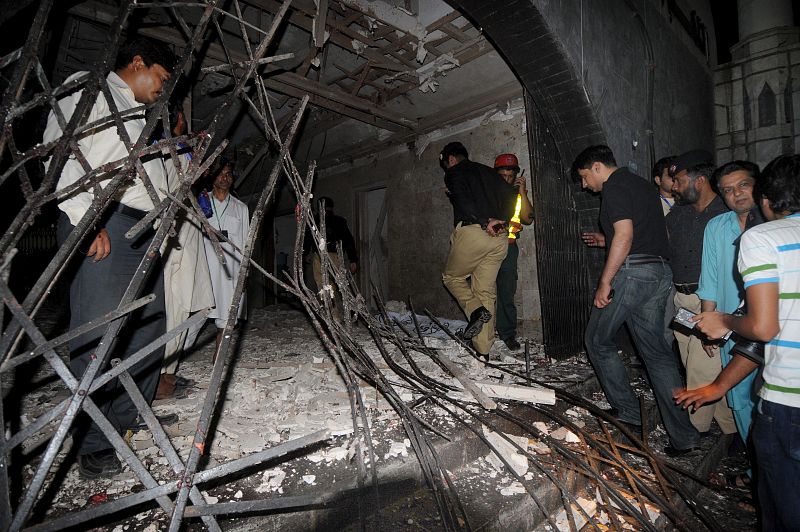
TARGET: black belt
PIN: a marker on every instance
(130, 212)
(633, 260)
(686, 288)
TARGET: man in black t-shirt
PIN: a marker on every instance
(633, 289)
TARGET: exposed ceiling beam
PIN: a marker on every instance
(319, 23)
(346, 104)
(285, 83)
(444, 117)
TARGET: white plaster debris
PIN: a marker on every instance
(541, 426)
(238, 495)
(427, 74)
(283, 385)
(515, 488)
(397, 449)
(539, 447)
(562, 522)
(271, 480)
(517, 460)
(309, 479)
(653, 513)
(563, 433)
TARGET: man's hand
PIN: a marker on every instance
(519, 182)
(698, 397)
(711, 349)
(601, 296)
(594, 240)
(495, 227)
(711, 324)
(353, 267)
(101, 246)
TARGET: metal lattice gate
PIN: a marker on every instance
(566, 269)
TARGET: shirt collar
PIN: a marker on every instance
(118, 83)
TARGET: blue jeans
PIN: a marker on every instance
(776, 438)
(640, 294)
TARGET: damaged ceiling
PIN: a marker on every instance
(377, 73)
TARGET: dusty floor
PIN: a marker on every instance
(281, 386)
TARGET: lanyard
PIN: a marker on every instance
(665, 200)
(213, 204)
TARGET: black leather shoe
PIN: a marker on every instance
(165, 420)
(672, 452)
(478, 317)
(101, 464)
(512, 344)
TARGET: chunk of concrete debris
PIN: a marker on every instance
(563, 433)
(653, 513)
(309, 479)
(528, 394)
(539, 447)
(541, 426)
(271, 480)
(396, 449)
(562, 522)
(515, 488)
(517, 460)
(210, 499)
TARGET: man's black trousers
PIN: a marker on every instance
(96, 288)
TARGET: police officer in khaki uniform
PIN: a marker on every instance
(480, 200)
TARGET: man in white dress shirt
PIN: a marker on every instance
(108, 261)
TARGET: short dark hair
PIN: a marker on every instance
(780, 184)
(599, 153)
(455, 149)
(702, 169)
(328, 202)
(152, 52)
(734, 166)
(661, 165)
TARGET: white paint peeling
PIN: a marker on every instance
(399, 18)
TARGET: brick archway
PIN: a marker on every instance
(520, 33)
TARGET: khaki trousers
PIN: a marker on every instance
(701, 370)
(470, 274)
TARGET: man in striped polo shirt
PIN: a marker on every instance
(769, 261)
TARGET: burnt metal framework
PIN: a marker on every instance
(179, 496)
(561, 256)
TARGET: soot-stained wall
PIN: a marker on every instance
(606, 47)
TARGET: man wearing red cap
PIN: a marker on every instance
(507, 166)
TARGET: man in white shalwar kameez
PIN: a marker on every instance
(232, 219)
(187, 281)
